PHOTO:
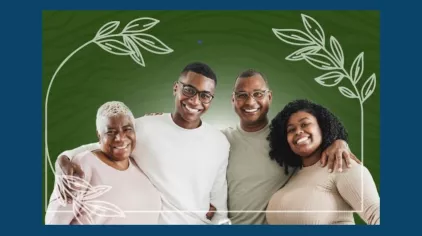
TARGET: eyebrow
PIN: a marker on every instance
(255, 90)
(125, 126)
(203, 91)
(304, 118)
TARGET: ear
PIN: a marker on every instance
(270, 96)
(233, 101)
(99, 137)
(175, 85)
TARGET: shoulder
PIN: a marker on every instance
(356, 171)
(151, 118)
(87, 161)
(228, 131)
(83, 157)
(218, 136)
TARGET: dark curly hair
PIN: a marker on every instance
(331, 129)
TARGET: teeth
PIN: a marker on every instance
(191, 109)
(251, 110)
(123, 147)
(302, 140)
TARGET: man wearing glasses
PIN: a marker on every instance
(184, 157)
(252, 176)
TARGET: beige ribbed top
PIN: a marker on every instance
(315, 189)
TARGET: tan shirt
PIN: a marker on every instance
(315, 189)
(252, 176)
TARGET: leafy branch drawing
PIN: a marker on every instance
(128, 42)
(82, 195)
(331, 59)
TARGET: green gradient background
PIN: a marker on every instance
(232, 41)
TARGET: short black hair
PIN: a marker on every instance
(249, 73)
(331, 130)
(200, 68)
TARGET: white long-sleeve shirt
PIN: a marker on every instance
(188, 167)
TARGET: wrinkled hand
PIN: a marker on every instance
(211, 212)
(335, 154)
(65, 167)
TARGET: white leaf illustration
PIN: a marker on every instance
(107, 29)
(140, 25)
(368, 87)
(320, 61)
(79, 211)
(95, 192)
(347, 92)
(330, 79)
(151, 43)
(75, 183)
(137, 55)
(357, 68)
(293, 37)
(337, 51)
(61, 193)
(314, 29)
(70, 185)
(60, 196)
(103, 209)
(114, 46)
(298, 54)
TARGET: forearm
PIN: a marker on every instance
(70, 154)
(220, 203)
(219, 196)
(73, 152)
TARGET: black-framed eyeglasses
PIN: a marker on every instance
(257, 95)
(190, 91)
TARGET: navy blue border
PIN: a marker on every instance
(22, 114)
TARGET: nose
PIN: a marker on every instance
(195, 99)
(250, 100)
(299, 131)
(119, 136)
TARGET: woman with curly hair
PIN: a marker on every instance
(313, 195)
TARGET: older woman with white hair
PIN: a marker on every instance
(113, 190)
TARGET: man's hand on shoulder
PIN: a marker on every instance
(154, 114)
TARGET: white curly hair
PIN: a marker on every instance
(110, 109)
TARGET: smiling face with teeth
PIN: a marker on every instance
(188, 110)
(252, 111)
(303, 134)
(117, 137)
